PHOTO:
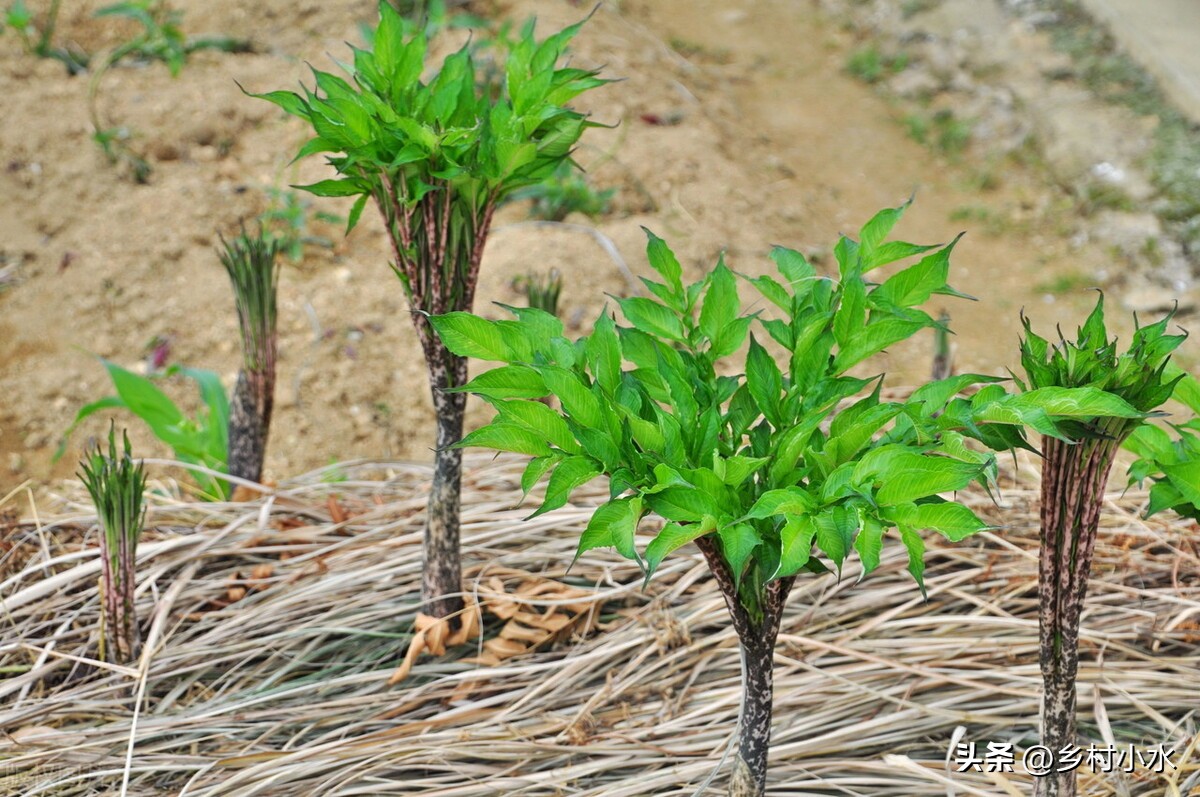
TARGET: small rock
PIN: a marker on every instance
(16, 463)
(916, 81)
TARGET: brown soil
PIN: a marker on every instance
(769, 142)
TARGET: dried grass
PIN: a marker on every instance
(272, 628)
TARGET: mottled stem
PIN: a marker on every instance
(1073, 481)
(442, 573)
(757, 637)
(249, 425)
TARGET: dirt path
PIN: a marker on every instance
(739, 128)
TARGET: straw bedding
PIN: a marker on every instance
(272, 626)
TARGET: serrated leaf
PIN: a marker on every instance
(869, 544)
(576, 398)
(613, 525)
(469, 335)
(649, 316)
(571, 473)
(916, 557)
(795, 544)
(790, 501)
(738, 542)
(764, 381)
(683, 504)
(506, 437)
(506, 381)
(953, 521)
(673, 537)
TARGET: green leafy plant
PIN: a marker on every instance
(542, 291)
(202, 440)
(870, 65)
(251, 263)
(567, 191)
(116, 484)
(758, 467)
(1074, 476)
(436, 158)
(161, 38)
(285, 223)
(39, 40)
(1172, 465)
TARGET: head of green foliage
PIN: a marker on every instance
(1137, 376)
(250, 260)
(399, 136)
(693, 419)
(116, 484)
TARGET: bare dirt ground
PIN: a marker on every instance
(737, 127)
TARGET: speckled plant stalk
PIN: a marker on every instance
(1073, 480)
(757, 639)
(438, 247)
(116, 485)
(250, 261)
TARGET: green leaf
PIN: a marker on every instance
(851, 316)
(683, 504)
(506, 381)
(738, 542)
(869, 544)
(673, 537)
(876, 230)
(332, 188)
(663, 260)
(1185, 477)
(570, 474)
(577, 400)
(534, 471)
(471, 336)
(356, 212)
(539, 419)
(790, 501)
(874, 338)
(604, 354)
(613, 525)
(796, 539)
(915, 284)
(836, 529)
(764, 381)
(506, 437)
(916, 557)
(794, 267)
(904, 475)
(649, 316)
(953, 521)
(150, 404)
(721, 304)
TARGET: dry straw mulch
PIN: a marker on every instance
(272, 628)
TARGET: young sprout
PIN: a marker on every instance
(542, 291)
(1074, 476)
(116, 484)
(251, 262)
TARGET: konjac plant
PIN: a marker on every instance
(250, 261)
(435, 158)
(1074, 476)
(116, 484)
(754, 463)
